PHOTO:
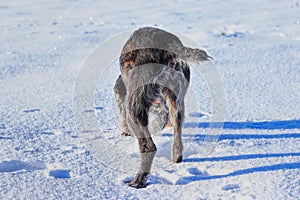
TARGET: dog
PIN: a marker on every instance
(154, 79)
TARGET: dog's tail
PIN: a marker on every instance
(193, 55)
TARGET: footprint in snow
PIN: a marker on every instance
(230, 187)
(5, 138)
(197, 172)
(196, 175)
(15, 165)
(196, 114)
(2, 126)
(60, 173)
(32, 110)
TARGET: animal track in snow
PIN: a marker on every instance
(15, 165)
(60, 173)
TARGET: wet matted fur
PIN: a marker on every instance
(154, 78)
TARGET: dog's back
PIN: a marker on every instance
(153, 45)
(148, 45)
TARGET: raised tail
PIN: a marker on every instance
(194, 55)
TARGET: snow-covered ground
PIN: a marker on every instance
(256, 50)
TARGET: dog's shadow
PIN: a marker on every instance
(263, 125)
(265, 168)
(198, 175)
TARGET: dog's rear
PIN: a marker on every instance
(154, 77)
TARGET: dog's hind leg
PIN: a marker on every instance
(176, 118)
(120, 95)
(147, 152)
(138, 119)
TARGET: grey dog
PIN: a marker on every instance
(154, 78)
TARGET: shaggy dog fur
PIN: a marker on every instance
(154, 79)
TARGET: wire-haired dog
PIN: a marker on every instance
(154, 79)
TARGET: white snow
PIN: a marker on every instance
(256, 50)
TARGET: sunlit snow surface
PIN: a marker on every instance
(256, 50)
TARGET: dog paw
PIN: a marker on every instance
(177, 159)
(140, 180)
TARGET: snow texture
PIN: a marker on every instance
(256, 50)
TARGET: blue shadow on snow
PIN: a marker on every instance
(276, 167)
(265, 125)
(60, 173)
(240, 157)
(201, 137)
